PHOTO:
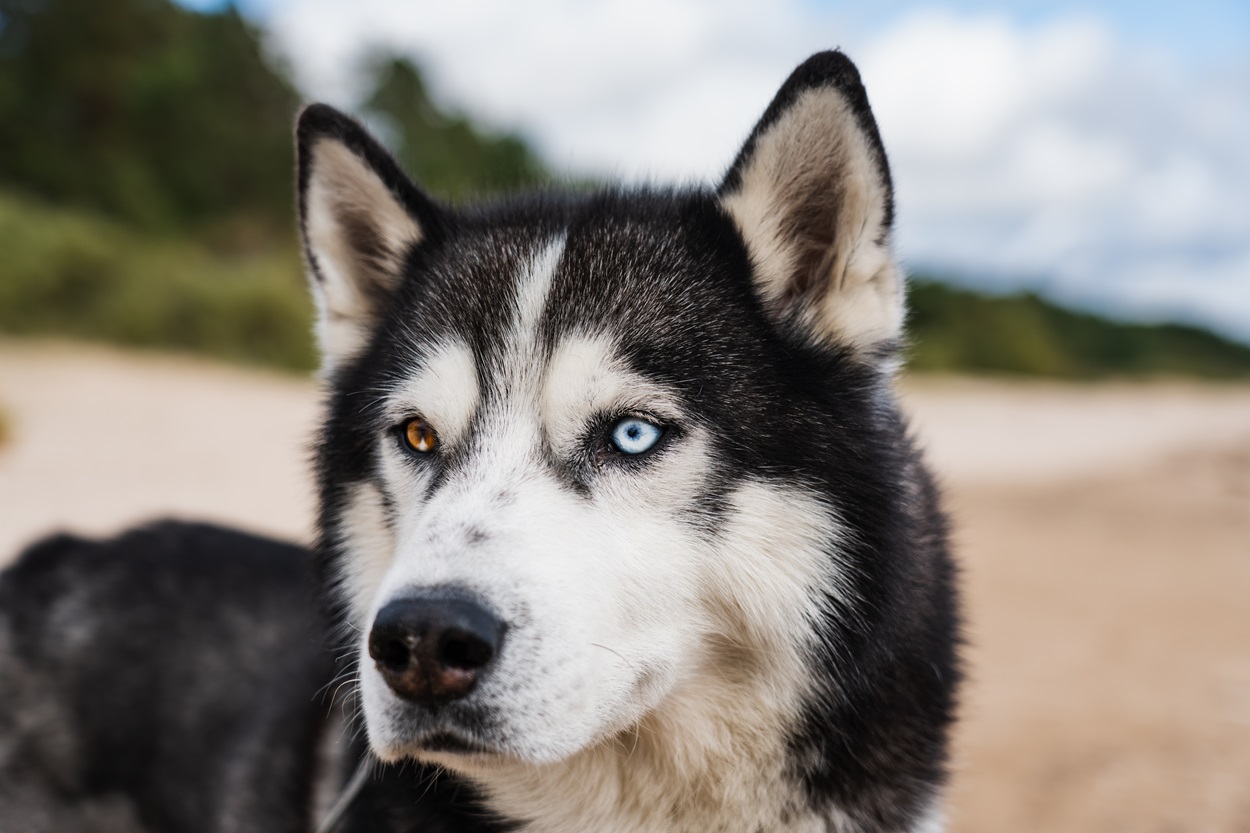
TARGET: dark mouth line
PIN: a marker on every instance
(446, 740)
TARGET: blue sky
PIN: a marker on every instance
(1198, 30)
(1097, 151)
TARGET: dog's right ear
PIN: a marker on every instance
(360, 216)
(810, 192)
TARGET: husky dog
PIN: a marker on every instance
(620, 523)
(617, 507)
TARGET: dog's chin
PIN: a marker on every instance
(457, 754)
(456, 751)
(468, 735)
(445, 746)
(467, 751)
(458, 742)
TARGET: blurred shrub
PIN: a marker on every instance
(960, 330)
(146, 176)
(145, 111)
(444, 152)
(71, 273)
(171, 120)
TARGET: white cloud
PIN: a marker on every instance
(641, 88)
(1055, 152)
(1116, 177)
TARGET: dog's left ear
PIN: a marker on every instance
(360, 217)
(810, 192)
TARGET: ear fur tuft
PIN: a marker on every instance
(810, 192)
(360, 216)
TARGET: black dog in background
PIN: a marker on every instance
(177, 679)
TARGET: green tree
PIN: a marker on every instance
(162, 117)
(952, 329)
(444, 152)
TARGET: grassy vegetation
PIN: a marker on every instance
(960, 330)
(70, 272)
(447, 153)
(145, 176)
(144, 111)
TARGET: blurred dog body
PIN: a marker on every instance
(621, 528)
(159, 681)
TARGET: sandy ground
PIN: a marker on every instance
(1104, 533)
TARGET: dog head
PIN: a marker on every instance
(576, 470)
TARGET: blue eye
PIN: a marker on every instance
(634, 436)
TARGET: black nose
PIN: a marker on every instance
(432, 648)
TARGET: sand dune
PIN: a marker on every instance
(103, 439)
(1104, 532)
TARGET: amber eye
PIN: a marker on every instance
(419, 436)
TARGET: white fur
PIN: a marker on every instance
(443, 390)
(531, 298)
(709, 755)
(933, 821)
(584, 378)
(368, 549)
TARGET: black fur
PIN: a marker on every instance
(163, 679)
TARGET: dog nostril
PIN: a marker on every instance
(464, 651)
(390, 650)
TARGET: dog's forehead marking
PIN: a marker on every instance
(523, 353)
(510, 428)
(583, 372)
(444, 390)
(585, 377)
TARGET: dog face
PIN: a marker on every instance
(575, 471)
